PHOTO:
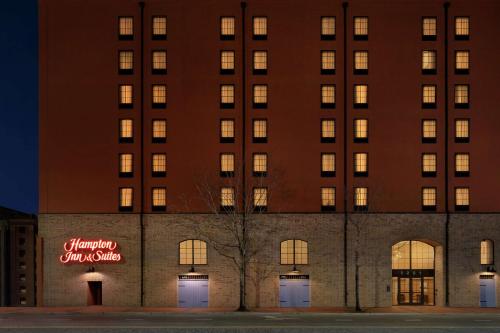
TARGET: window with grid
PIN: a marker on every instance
(360, 164)
(428, 95)
(429, 164)
(360, 95)
(159, 197)
(227, 197)
(227, 27)
(360, 130)
(429, 130)
(260, 130)
(259, 164)
(227, 95)
(293, 252)
(327, 130)
(159, 62)
(428, 61)
(159, 95)
(462, 164)
(260, 27)
(328, 62)
(227, 62)
(193, 252)
(461, 27)
(227, 130)
(126, 194)
(360, 197)
(126, 62)
(126, 91)
(260, 197)
(461, 95)
(226, 164)
(126, 130)
(360, 27)
(429, 28)
(327, 164)
(429, 197)
(328, 27)
(159, 164)
(159, 130)
(462, 62)
(159, 27)
(260, 62)
(327, 197)
(461, 130)
(461, 197)
(360, 62)
(259, 95)
(126, 164)
(328, 95)
(487, 257)
(126, 28)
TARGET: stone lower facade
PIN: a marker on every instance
(370, 238)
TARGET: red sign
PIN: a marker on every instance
(82, 251)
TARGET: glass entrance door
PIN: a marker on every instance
(415, 291)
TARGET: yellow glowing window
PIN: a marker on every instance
(361, 128)
(159, 197)
(462, 162)
(227, 94)
(429, 25)
(159, 60)
(361, 60)
(159, 163)
(260, 60)
(227, 128)
(260, 128)
(126, 94)
(462, 60)
(328, 128)
(260, 162)
(260, 26)
(361, 26)
(412, 255)
(227, 26)
(361, 162)
(260, 197)
(429, 129)
(260, 94)
(126, 128)
(193, 252)
(328, 94)
(360, 94)
(126, 60)
(328, 26)
(428, 60)
(327, 162)
(487, 257)
(428, 94)
(126, 163)
(227, 60)
(159, 94)
(126, 26)
(462, 196)
(361, 196)
(429, 162)
(159, 129)
(429, 197)
(461, 26)
(126, 197)
(227, 197)
(159, 26)
(327, 60)
(461, 94)
(462, 128)
(328, 196)
(227, 162)
(293, 252)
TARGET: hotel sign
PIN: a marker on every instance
(80, 251)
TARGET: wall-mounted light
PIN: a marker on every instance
(491, 269)
(294, 270)
(91, 269)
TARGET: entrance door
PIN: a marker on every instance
(487, 291)
(94, 294)
(294, 291)
(192, 292)
(415, 291)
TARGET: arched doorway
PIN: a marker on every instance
(413, 273)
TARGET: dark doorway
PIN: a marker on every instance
(94, 296)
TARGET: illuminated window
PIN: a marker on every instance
(361, 164)
(327, 199)
(126, 97)
(260, 131)
(126, 165)
(428, 198)
(227, 131)
(227, 198)
(360, 198)
(159, 195)
(429, 28)
(429, 165)
(159, 27)
(126, 62)
(259, 96)
(227, 96)
(159, 62)
(462, 62)
(360, 130)
(327, 62)
(126, 28)
(428, 131)
(126, 130)
(360, 96)
(462, 164)
(487, 257)
(328, 96)
(227, 165)
(461, 28)
(461, 198)
(193, 252)
(260, 198)
(428, 96)
(159, 96)
(260, 62)
(461, 96)
(412, 255)
(428, 62)
(461, 130)
(293, 252)
(260, 164)
(227, 62)
(159, 131)
(260, 28)
(327, 130)
(327, 165)
(227, 28)
(360, 28)
(360, 62)
(159, 165)
(126, 196)
(328, 28)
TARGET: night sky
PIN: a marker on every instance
(19, 105)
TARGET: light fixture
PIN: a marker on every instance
(91, 269)
(491, 269)
(294, 270)
(191, 270)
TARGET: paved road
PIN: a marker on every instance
(249, 322)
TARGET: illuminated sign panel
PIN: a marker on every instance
(80, 251)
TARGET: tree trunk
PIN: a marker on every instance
(358, 306)
(243, 268)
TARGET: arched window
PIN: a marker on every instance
(193, 252)
(412, 255)
(294, 252)
(487, 252)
